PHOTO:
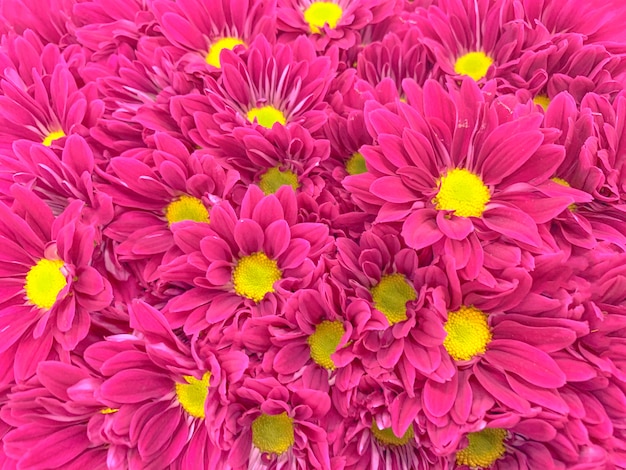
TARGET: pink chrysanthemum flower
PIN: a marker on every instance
(288, 156)
(46, 111)
(252, 260)
(479, 39)
(279, 427)
(266, 86)
(450, 169)
(300, 345)
(174, 418)
(363, 432)
(170, 185)
(502, 352)
(54, 418)
(330, 23)
(49, 285)
(199, 29)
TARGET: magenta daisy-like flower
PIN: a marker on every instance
(169, 186)
(251, 260)
(330, 23)
(49, 285)
(54, 417)
(172, 419)
(451, 169)
(46, 111)
(279, 426)
(268, 85)
(199, 30)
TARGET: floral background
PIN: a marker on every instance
(328, 234)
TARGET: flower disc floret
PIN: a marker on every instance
(390, 296)
(387, 437)
(186, 208)
(44, 281)
(192, 395)
(267, 116)
(255, 275)
(463, 192)
(274, 178)
(273, 433)
(485, 447)
(55, 135)
(473, 64)
(468, 333)
(213, 56)
(319, 14)
(356, 164)
(324, 341)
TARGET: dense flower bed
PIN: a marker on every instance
(312, 234)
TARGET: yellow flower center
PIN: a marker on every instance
(320, 13)
(213, 56)
(186, 208)
(255, 275)
(388, 438)
(273, 433)
(542, 100)
(324, 342)
(468, 333)
(52, 137)
(485, 447)
(44, 281)
(192, 395)
(390, 296)
(473, 64)
(267, 116)
(562, 182)
(109, 411)
(463, 192)
(273, 179)
(356, 164)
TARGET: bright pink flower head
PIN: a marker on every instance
(46, 111)
(53, 417)
(477, 38)
(48, 19)
(455, 169)
(200, 29)
(173, 419)
(330, 23)
(288, 156)
(267, 86)
(279, 426)
(50, 287)
(170, 185)
(251, 260)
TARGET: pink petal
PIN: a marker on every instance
(513, 223)
(135, 386)
(420, 229)
(457, 228)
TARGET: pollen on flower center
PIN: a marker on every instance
(473, 64)
(387, 437)
(468, 333)
(52, 137)
(255, 275)
(274, 178)
(267, 116)
(213, 56)
(542, 100)
(356, 164)
(273, 433)
(320, 13)
(324, 342)
(192, 395)
(186, 208)
(463, 192)
(485, 447)
(44, 281)
(390, 296)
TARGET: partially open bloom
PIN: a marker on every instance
(49, 285)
